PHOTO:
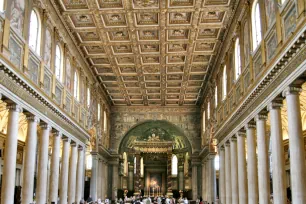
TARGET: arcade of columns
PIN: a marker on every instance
(70, 176)
(244, 177)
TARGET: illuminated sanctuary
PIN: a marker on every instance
(110, 99)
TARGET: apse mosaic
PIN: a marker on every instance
(125, 41)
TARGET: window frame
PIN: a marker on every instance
(174, 167)
(224, 83)
(237, 59)
(256, 25)
(76, 85)
(58, 68)
(36, 49)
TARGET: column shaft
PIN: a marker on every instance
(194, 182)
(252, 165)
(80, 170)
(222, 175)
(234, 170)
(212, 180)
(263, 161)
(242, 172)
(64, 171)
(115, 181)
(278, 160)
(10, 153)
(203, 179)
(296, 146)
(54, 174)
(228, 184)
(29, 160)
(42, 172)
(93, 179)
(72, 173)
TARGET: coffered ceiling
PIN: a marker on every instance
(148, 52)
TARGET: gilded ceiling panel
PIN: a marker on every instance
(148, 52)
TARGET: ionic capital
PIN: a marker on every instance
(65, 138)
(277, 104)
(291, 90)
(56, 133)
(14, 107)
(32, 118)
(241, 133)
(233, 139)
(227, 144)
(45, 126)
(261, 116)
(250, 125)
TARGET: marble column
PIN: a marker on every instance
(212, 179)
(29, 159)
(137, 175)
(296, 145)
(93, 179)
(194, 181)
(263, 160)
(72, 173)
(79, 177)
(99, 183)
(228, 184)
(204, 179)
(222, 174)
(42, 171)
(64, 170)
(234, 170)
(181, 177)
(242, 168)
(131, 177)
(252, 164)
(207, 180)
(115, 181)
(10, 154)
(54, 171)
(169, 174)
(278, 160)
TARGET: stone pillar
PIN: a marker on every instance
(64, 170)
(181, 177)
(222, 174)
(212, 179)
(10, 154)
(194, 181)
(115, 181)
(29, 159)
(42, 171)
(169, 173)
(296, 145)
(242, 172)
(137, 175)
(263, 160)
(93, 179)
(131, 177)
(207, 179)
(54, 174)
(234, 170)
(79, 178)
(228, 183)
(204, 179)
(72, 173)
(252, 164)
(278, 160)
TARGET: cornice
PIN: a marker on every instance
(157, 109)
(286, 68)
(21, 88)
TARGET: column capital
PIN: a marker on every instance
(295, 90)
(14, 107)
(80, 148)
(261, 116)
(227, 143)
(65, 138)
(275, 105)
(73, 143)
(221, 148)
(45, 126)
(56, 133)
(250, 125)
(241, 133)
(32, 118)
(233, 139)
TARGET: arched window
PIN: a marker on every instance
(174, 165)
(125, 164)
(88, 161)
(283, 1)
(88, 97)
(34, 32)
(204, 121)
(1, 5)
(217, 160)
(216, 96)
(58, 63)
(224, 83)
(76, 85)
(237, 59)
(141, 167)
(208, 110)
(256, 24)
(99, 112)
(105, 121)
